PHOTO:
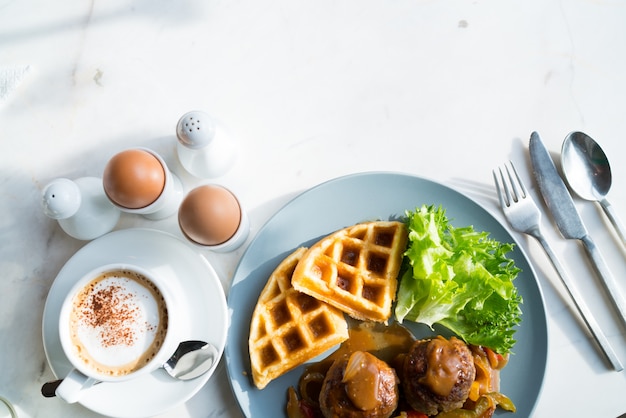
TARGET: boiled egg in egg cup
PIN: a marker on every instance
(138, 181)
(211, 217)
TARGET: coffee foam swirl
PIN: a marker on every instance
(118, 322)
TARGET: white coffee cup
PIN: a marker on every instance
(117, 323)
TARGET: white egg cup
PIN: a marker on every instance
(235, 241)
(168, 201)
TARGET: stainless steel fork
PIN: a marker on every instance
(524, 216)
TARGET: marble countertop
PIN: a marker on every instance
(312, 91)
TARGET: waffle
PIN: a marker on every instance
(289, 328)
(355, 269)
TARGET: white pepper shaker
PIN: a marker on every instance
(205, 148)
(81, 207)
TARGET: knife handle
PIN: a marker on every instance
(584, 311)
(607, 278)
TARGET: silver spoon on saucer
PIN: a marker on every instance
(588, 174)
(191, 359)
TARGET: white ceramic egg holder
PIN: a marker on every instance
(205, 150)
(168, 201)
(235, 241)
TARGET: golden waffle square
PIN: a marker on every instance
(355, 269)
(289, 328)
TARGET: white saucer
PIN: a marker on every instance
(166, 255)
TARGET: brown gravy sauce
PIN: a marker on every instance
(362, 380)
(443, 367)
(386, 342)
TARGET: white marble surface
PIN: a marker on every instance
(312, 90)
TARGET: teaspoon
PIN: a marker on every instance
(191, 359)
(588, 173)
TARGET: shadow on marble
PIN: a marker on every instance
(180, 12)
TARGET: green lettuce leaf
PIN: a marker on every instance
(459, 278)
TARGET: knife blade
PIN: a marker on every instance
(560, 203)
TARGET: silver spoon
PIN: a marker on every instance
(588, 174)
(191, 359)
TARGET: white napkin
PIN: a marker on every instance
(10, 78)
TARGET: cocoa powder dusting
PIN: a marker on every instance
(109, 310)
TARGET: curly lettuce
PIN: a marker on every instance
(459, 278)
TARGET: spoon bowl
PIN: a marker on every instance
(586, 167)
(588, 173)
(192, 359)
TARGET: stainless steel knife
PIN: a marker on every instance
(569, 222)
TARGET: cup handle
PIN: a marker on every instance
(73, 385)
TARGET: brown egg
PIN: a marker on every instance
(209, 215)
(134, 179)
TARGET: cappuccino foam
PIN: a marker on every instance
(118, 322)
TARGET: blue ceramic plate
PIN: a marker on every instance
(345, 201)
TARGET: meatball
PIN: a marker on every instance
(359, 386)
(437, 375)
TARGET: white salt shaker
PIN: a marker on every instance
(81, 207)
(204, 146)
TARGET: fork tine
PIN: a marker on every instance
(516, 182)
(503, 203)
(511, 192)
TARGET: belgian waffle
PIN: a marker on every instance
(355, 269)
(289, 328)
